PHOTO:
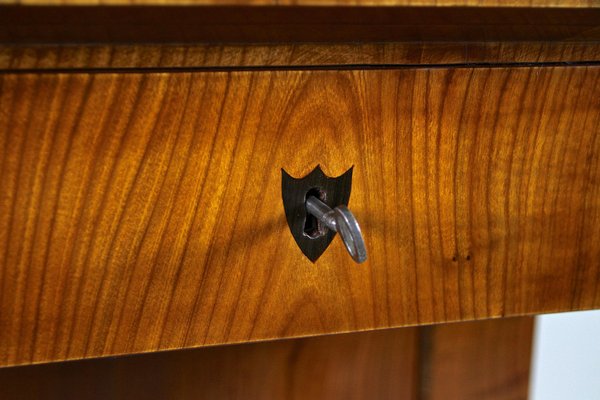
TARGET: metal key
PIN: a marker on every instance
(340, 220)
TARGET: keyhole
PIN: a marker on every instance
(313, 228)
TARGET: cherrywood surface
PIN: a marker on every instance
(143, 211)
(66, 57)
(473, 360)
(378, 365)
(412, 3)
(476, 360)
(243, 24)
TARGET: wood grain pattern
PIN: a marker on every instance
(472, 360)
(13, 58)
(320, 24)
(378, 365)
(412, 3)
(476, 360)
(143, 211)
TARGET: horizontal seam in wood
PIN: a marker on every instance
(342, 67)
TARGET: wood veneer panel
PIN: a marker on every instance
(380, 365)
(143, 211)
(473, 360)
(181, 24)
(65, 57)
(476, 360)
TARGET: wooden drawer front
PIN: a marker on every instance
(143, 211)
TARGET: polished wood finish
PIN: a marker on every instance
(474, 360)
(479, 360)
(181, 24)
(69, 57)
(378, 365)
(143, 211)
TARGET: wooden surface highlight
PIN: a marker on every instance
(143, 211)
(473, 360)
(15, 58)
